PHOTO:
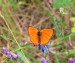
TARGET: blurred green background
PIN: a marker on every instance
(17, 15)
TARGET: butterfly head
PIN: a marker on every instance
(39, 33)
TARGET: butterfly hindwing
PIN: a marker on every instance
(33, 35)
(46, 34)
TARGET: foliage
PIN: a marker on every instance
(17, 15)
(61, 4)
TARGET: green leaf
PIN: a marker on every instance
(72, 51)
(13, 4)
(73, 29)
(57, 58)
(32, 58)
(72, 19)
(22, 57)
(63, 23)
(61, 3)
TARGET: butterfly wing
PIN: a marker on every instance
(46, 34)
(33, 35)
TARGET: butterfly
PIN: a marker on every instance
(41, 37)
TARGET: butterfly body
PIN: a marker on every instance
(39, 34)
(40, 37)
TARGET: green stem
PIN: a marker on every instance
(14, 37)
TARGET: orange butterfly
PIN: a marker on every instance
(41, 37)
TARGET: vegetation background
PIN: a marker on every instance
(17, 15)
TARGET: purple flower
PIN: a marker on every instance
(14, 55)
(5, 51)
(47, 61)
(9, 54)
(43, 60)
(71, 60)
(44, 48)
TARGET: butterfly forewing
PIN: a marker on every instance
(33, 35)
(46, 34)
